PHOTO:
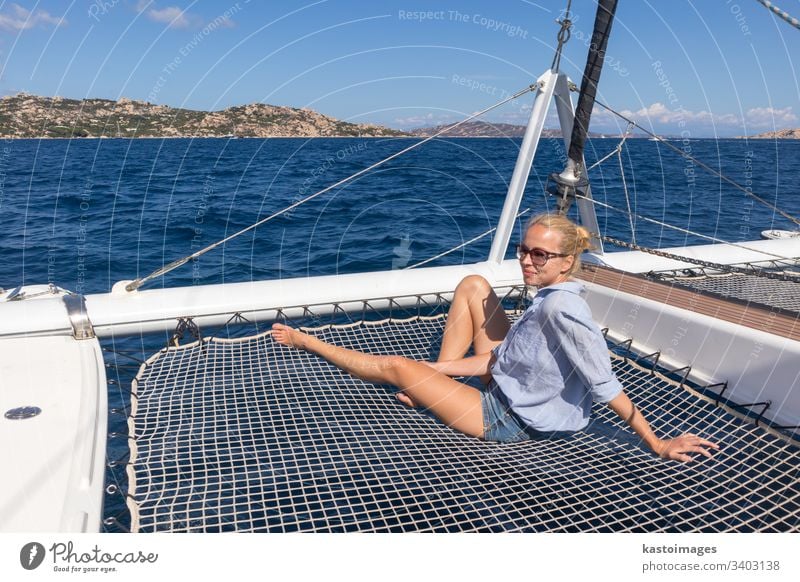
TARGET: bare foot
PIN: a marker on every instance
(283, 334)
(406, 399)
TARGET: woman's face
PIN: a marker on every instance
(555, 269)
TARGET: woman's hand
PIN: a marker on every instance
(677, 448)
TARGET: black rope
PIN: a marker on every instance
(124, 355)
(185, 324)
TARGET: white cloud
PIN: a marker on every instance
(20, 18)
(175, 17)
(428, 120)
(172, 16)
(659, 118)
(656, 117)
(660, 115)
(768, 117)
(757, 117)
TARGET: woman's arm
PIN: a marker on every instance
(665, 448)
(473, 366)
(570, 325)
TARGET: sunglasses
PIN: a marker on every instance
(538, 256)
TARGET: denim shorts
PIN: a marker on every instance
(500, 423)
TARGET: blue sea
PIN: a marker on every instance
(83, 214)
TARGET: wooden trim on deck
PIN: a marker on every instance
(775, 321)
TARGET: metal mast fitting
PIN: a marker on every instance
(572, 180)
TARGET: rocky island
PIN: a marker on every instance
(780, 134)
(30, 116)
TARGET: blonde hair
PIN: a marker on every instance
(574, 239)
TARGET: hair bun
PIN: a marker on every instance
(584, 239)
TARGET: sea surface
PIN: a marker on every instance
(83, 214)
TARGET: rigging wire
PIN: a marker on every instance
(618, 151)
(684, 231)
(631, 215)
(462, 245)
(782, 13)
(563, 36)
(702, 165)
(633, 246)
(133, 285)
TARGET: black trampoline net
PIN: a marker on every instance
(770, 293)
(248, 435)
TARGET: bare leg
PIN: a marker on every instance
(476, 318)
(456, 404)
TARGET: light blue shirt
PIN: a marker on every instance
(554, 361)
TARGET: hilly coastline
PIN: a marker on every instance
(31, 116)
(780, 134)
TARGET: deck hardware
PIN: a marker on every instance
(656, 356)
(717, 395)
(185, 324)
(123, 460)
(78, 316)
(23, 412)
(626, 345)
(368, 306)
(237, 318)
(686, 371)
(764, 407)
(393, 302)
(113, 521)
(15, 294)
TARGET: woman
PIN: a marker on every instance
(542, 373)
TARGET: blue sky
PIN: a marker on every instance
(723, 67)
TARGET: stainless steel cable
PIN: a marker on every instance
(133, 285)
